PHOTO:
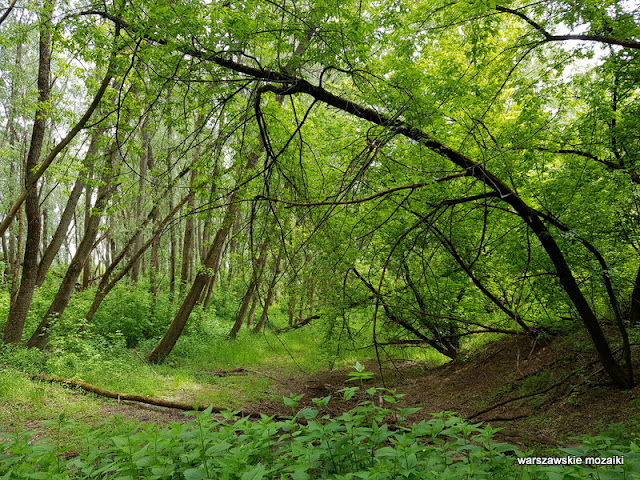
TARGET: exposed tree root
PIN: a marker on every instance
(534, 394)
(534, 438)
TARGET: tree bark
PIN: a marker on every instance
(15, 269)
(86, 271)
(231, 250)
(139, 207)
(188, 243)
(18, 311)
(634, 313)
(252, 310)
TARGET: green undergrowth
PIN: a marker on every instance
(188, 376)
(370, 441)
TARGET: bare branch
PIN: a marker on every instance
(344, 202)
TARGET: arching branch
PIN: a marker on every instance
(561, 38)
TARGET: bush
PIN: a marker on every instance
(127, 310)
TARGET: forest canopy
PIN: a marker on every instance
(420, 171)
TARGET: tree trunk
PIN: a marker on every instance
(18, 311)
(188, 243)
(15, 269)
(154, 273)
(40, 337)
(45, 230)
(252, 290)
(210, 266)
(270, 295)
(67, 215)
(231, 251)
(142, 181)
(252, 310)
(13, 255)
(291, 311)
(209, 293)
(86, 271)
(634, 314)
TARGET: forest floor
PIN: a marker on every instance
(542, 392)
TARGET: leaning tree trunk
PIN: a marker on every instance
(40, 337)
(214, 254)
(67, 215)
(107, 283)
(256, 278)
(210, 265)
(18, 310)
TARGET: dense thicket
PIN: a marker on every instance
(428, 170)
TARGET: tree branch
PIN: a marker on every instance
(635, 178)
(344, 202)
(46, 163)
(561, 38)
(8, 11)
(284, 84)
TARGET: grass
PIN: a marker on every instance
(26, 403)
(184, 377)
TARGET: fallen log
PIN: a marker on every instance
(225, 373)
(87, 387)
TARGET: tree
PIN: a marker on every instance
(447, 159)
(19, 309)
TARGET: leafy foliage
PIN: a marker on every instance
(360, 443)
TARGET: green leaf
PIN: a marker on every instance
(256, 473)
(195, 474)
(308, 413)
